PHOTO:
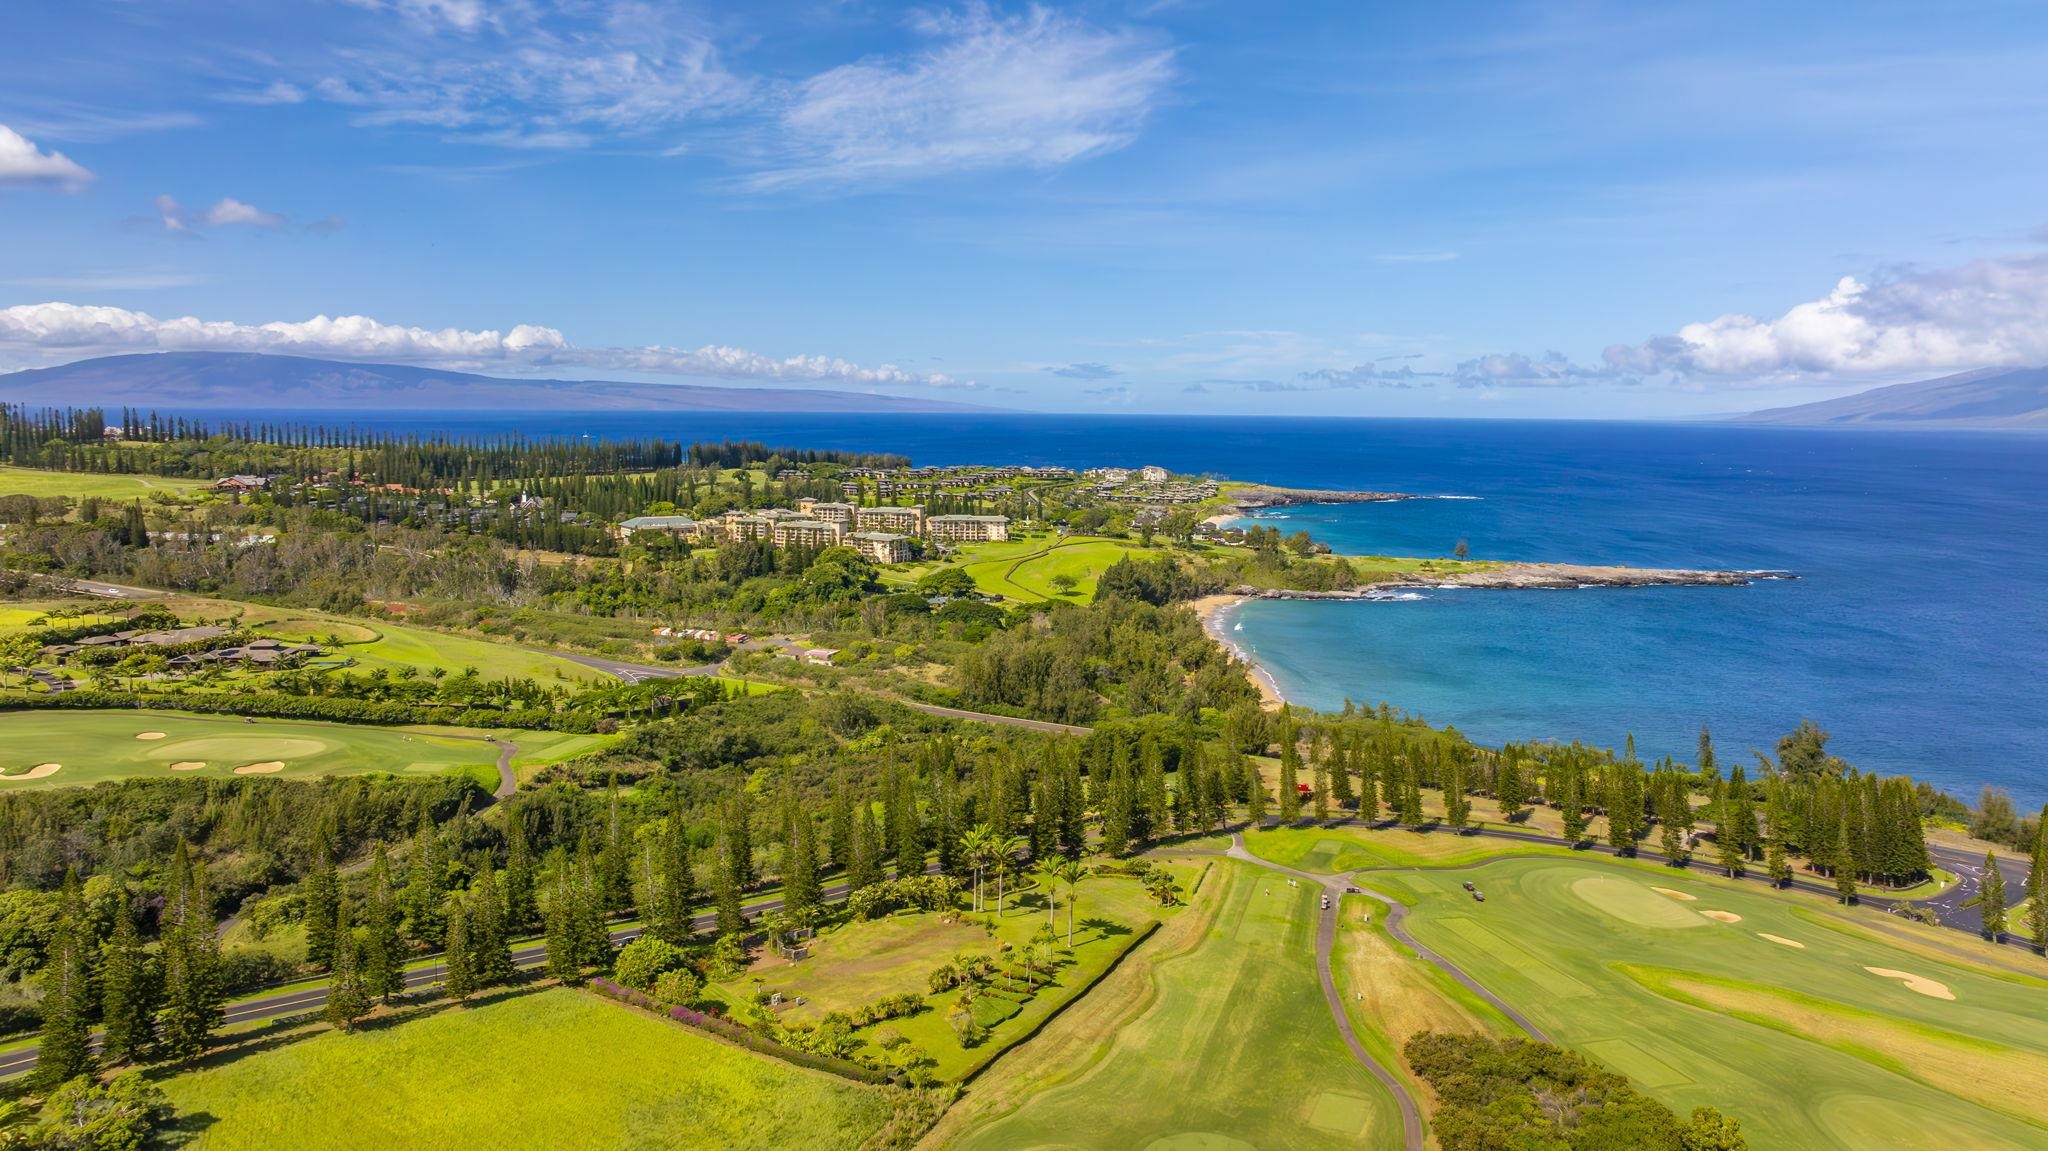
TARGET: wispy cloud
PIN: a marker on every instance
(1415, 258)
(112, 281)
(24, 164)
(227, 212)
(31, 333)
(278, 92)
(1036, 90)
(1085, 372)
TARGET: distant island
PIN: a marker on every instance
(255, 381)
(1987, 398)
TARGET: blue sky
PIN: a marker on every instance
(1492, 210)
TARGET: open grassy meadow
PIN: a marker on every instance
(68, 748)
(559, 1069)
(1815, 1032)
(1025, 569)
(1231, 1048)
(86, 485)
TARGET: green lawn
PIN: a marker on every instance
(1793, 1034)
(91, 746)
(554, 1069)
(1236, 1049)
(859, 963)
(1349, 848)
(1025, 569)
(84, 485)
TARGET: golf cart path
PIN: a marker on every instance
(1326, 943)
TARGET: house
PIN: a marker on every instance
(1153, 474)
(806, 534)
(678, 527)
(820, 656)
(239, 484)
(967, 529)
(902, 520)
(881, 547)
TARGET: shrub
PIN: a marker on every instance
(646, 959)
(678, 987)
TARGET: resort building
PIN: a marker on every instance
(745, 526)
(881, 547)
(968, 529)
(831, 513)
(907, 521)
(678, 526)
(1153, 474)
(806, 534)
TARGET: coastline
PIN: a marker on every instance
(1214, 612)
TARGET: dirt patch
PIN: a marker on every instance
(1722, 916)
(260, 768)
(188, 765)
(39, 771)
(1681, 896)
(1919, 983)
(149, 735)
(1781, 940)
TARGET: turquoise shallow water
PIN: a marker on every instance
(1918, 632)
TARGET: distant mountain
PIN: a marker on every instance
(182, 381)
(1988, 398)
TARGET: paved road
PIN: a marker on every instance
(626, 670)
(1326, 945)
(1968, 869)
(1004, 720)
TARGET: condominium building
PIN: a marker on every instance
(831, 513)
(737, 525)
(967, 529)
(881, 547)
(902, 520)
(682, 527)
(806, 534)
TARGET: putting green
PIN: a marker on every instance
(94, 746)
(1633, 902)
(1796, 1042)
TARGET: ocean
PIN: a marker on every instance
(1917, 632)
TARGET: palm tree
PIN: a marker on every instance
(975, 844)
(1070, 872)
(1003, 849)
(1048, 873)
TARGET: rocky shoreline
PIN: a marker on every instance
(1536, 576)
(1255, 496)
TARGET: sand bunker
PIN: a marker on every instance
(1723, 916)
(1919, 983)
(1678, 895)
(149, 735)
(260, 768)
(1781, 940)
(39, 771)
(188, 765)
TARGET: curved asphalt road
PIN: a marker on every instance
(1326, 940)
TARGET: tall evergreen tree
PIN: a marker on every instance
(1509, 789)
(732, 919)
(1777, 861)
(1843, 861)
(1290, 769)
(1457, 809)
(458, 960)
(1256, 796)
(488, 938)
(839, 826)
(800, 887)
(676, 894)
(380, 953)
(68, 1001)
(323, 893)
(128, 989)
(2037, 886)
(1571, 801)
(347, 999)
(1319, 788)
(1990, 899)
(522, 910)
(864, 868)
(615, 857)
(191, 957)
(426, 887)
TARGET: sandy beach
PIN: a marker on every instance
(1211, 610)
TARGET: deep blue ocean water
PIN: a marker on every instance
(1917, 633)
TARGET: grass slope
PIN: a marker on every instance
(1235, 1050)
(86, 485)
(1554, 935)
(92, 746)
(553, 1069)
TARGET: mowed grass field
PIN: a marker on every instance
(1814, 1031)
(1025, 569)
(1235, 1048)
(556, 1069)
(86, 485)
(91, 746)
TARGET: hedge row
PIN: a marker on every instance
(727, 1029)
(275, 705)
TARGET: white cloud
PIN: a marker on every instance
(1034, 91)
(42, 332)
(1415, 258)
(1984, 313)
(226, 212)
(21, 162)
(232, 211)
(279, 92)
